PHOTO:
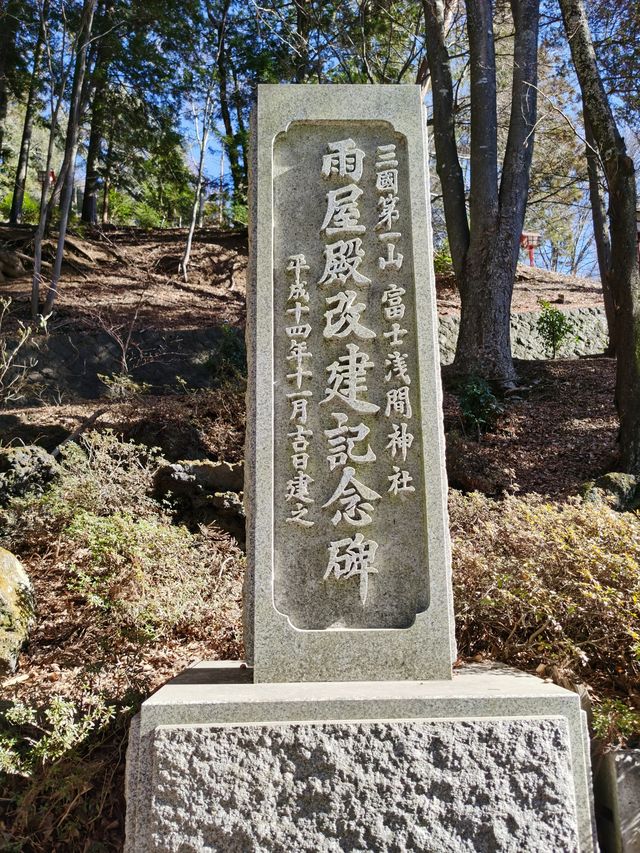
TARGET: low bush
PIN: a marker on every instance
(554, 327)
(101, 474)
(30, 208)
(480, 409)
(126, 599)
(556, 585)
(146, 577)
(61, 777)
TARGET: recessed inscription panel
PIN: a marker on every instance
(350, 521)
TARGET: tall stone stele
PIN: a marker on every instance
(345, 729)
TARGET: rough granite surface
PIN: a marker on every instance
(447, 785)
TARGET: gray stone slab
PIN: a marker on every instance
(617, 787)
(472, 762)
(627, 763)
(348, 547)
(485, 785)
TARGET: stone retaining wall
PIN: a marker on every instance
(589, 336)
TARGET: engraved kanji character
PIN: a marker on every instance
(355, 499)
(299, 403)
(399, 440)
(397, 364)
(400, 481)
(344, 160)
(398, 402)
(392, 260)
(296, 265)
(394, 312)
(299, 438)
(342, 260)
(298, 353)
(387, 181)
(298, 292)
(345, 317)
(396, 334)
(351, 557)
(298, 310)
(392, 300)
(298, 516)
(389, 213)
(301, 331)
(385, 156)
(342, 440)
(390, 235)
(299, 461)
(298, 489)
(347, 377)
(342, 211)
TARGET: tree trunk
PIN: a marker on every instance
(447, 162)
(203, 140)
(497, 217)
(242, 130)
(71, 146)
(98, 115)
(9, 12)
(108, 165)
(303, 28)
(601, 233)
(90, 198)
(485, 252)
(230, 137)
(15, 216)
(624, 277)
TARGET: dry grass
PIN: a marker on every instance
(125, 600)
(542, 585)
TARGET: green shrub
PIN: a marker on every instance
(31, 738)
(121, 208)
(60, 767)
(442, 261)
(554, 327)
(101, 475)
(146, 216)
(479, 406)
(30, 208)
(540, 583)
(147, 577)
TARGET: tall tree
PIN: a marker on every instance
(35, 85)
(624, 274)
(485, 245)
(10, 59)
(64, 182)
(99, 99)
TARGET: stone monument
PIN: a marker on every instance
(345, 729)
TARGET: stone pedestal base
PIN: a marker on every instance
(494, 760)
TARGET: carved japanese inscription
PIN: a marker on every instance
(350, 525)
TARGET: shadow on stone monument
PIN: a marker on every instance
(345, 729)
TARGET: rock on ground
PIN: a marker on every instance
(24, 469)
(17, 610)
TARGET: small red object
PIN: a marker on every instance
(530, 240)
